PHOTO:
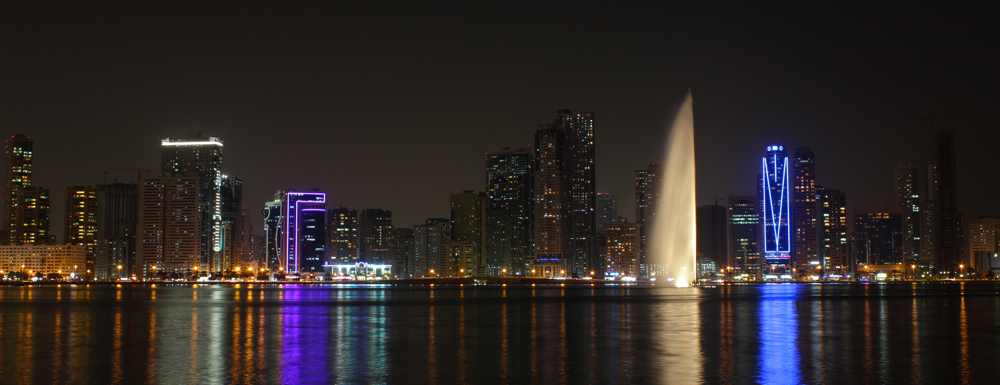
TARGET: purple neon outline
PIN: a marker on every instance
(293, 254)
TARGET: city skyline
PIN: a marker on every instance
(792, 90)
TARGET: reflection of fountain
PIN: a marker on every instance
(673, 240)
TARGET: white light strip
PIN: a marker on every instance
(166, 143)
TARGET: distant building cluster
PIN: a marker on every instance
(538, 215)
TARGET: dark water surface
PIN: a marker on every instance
(779, 333)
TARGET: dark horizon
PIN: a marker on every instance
(393, 106)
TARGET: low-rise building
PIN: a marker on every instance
(68, 260)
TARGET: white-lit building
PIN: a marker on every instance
(68, 260)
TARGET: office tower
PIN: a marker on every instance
(804, 219)
(647, 194)
(234, 227)
(468, 226)
(833, 232)
(711, 243)
(581, 192)
(607, 211)
(878, 234)
(907, 184)
(31, 216)
(744, 238)
(18, 165)
(402, 248)
(169, 225)
(80, 225)
(983, 244)
(374, 229)
(947, 220)
(274, 245)
(202, 156)
(428, 249)
(117, 206)
(775, 190)
(509, 227)
(342, 224)
(551, 222)
(304, 214)
(622, 250)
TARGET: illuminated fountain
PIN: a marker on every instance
(673, 239)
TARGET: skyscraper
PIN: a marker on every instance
(468, 226)
(907, 183)
(833, 232)
(744, 237)
(947, 220)
(80, 226)
(776, 217)
(169, 228)
(647, 194)
(805, 244)
(202, 156)
(32, 223)
(984, 243)
(274, 227)
(509, 227)
(622, 250)
(304, 214)
(428, 249)
(235, 229)
(552, 253)
(878, 233)
(18, 167)
(117, 205)
(342, 224)
(374, 230)
(607, 211)
(402, 248)
(581, 192)
(711, 236)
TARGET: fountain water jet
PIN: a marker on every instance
(673, 239)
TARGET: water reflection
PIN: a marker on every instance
(731, 334)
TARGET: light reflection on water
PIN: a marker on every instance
(919, 333)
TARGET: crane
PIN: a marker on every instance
(138, 170)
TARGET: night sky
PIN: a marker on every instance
(394, 105)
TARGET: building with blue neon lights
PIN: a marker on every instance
(776, 196)
(295, 227)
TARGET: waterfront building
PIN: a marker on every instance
(833, 233)
(550, 207)
(402, 247)
(622, 250)
(711, 234)
(32, 223)
(18, 167)
(805, 244)
(607, 211)
(304, 231)
(947, 220)
(80, 224)
(235, 228)
(428, 249)
(581, 193)
(342, 225)
(744, 254)
(647, 194)
(274, 227)
(170, 228)
(117, 206)
(374, 230)
(775, 191)
(29, 260)
(907, 183)
(983, 244)
(468, 226)
(201, 156)
(510, 197)
(878, 234)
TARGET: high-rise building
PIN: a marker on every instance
(304, 213)
(647, 194)
(428, 249)
(948, 222)
(833, 232)
(80, 225)
(804, 211)
(374, 230)
(509, 227)
(907, 182)
(202, 156)
(622, 250)
(32, 223)
(551, 218)
(776, 193)
(581, 192)
(468, 226)
(402, 248)
(711, 234)
(744, 238)
(234, 227)
(342, 224)
(258, 251)
(274, 228)
(18, 167)
(878, 234)
(117, 206)
(983, 244)
(169, 225)
(607, 211)
(458, 259)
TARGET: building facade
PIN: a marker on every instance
(647, 194)
(468, 226)
(18, 167)
(80, 224)
(878, 234)
(374, 231)
(622, 250)
(776, 193)
(65, 260)
(510, 224)
(117, 205)
(201, 156)
(948, 235)
(170, 226)
(744, 238)
(804, 213)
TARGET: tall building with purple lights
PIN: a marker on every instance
(305, 231)
(776, 194)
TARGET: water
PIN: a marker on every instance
(778, 333)
(673, 237)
